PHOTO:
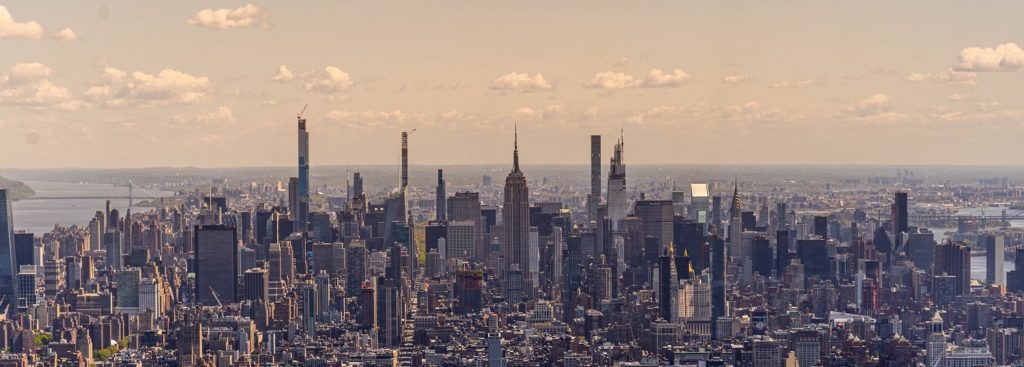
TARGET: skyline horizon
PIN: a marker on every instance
(737, 83)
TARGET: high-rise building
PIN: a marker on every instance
(28, 290)
(7, 269)
(113, 243)
(954, 258)
(310, 314)
(302, 189)
(465, 206)
(460, 241)
(668, 284)
(617, 204)
(900, 216)
(656, 216)
(216, 264)
(389, 315)
(995, 251)
(256, 285)
(357, 186)
(24, 249)
(516, 216)
(594, 199)
(440, 202)
(718, 266)
(128, 290)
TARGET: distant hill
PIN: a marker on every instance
(16, 189)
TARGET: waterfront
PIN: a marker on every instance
(40, 215)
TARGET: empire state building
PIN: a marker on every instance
(516, 217)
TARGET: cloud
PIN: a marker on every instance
(11, 29)
(330, 80)
(698, 114)
(875, 104)
(948, 76)
(612, 80)
(737, 79)
(656, 78)
(27, 84)
(119, 88)
(66, 35)
(27, 72)
(520, 82)
(1005, 57)
(247, 16)
(548, 111)
(798, 83)
(283, 74)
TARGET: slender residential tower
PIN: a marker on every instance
(516, 216)
(594, 200)
(440, 207)
(617, 187)
(302, 199)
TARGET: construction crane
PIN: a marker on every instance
(299, 116)
(215, 298)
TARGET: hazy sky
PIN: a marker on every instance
(180, 83)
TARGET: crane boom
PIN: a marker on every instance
(302, 112)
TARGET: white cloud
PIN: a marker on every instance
(876, 110)
(520, 82)
(250, 15)
(798, 83)
(27, 84)
(737, 79)
(330, 80)
(548, 111)
(27, 72)
(283, 74)
(119, 88)
(65, 35)
(612, 80)
(948, 76)
(9, 28)
(1005, 57)
(656, 78)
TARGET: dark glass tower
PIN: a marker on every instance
(440, 202)
(595, 179)
(900, 217)
(216, 264)
(718, 264)
(6, 249)
(302, 194)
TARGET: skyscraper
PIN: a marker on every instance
(516, 216)
(594, 200)
(440, 203)
(995, 247)
(7, 269)
(357, 186)
(617, 187)
(718, 266)
(900, 217)
(216, 264)
(465, 206)
(302, 192)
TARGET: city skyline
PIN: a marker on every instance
(743, 83)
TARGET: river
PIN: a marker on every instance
(40, 215)
(978, 265)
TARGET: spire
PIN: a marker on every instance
(515, 153)
(735, 210)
